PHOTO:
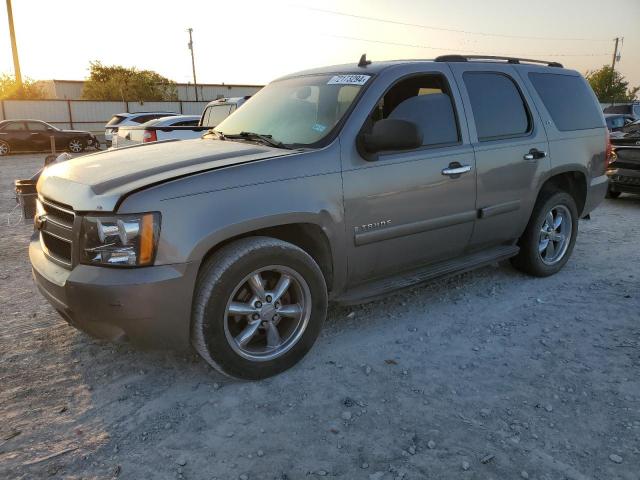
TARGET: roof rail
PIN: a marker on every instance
(515, 60)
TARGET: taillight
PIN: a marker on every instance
(610, 155)
(149, 136)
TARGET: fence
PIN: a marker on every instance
(87, 114)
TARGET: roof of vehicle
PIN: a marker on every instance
(224, 101)
(171, 119)
(135, 114)
(365, 66)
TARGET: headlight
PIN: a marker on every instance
(120, 240)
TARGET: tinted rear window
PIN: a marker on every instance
(498, 108)
(569, 100)
(115, 120)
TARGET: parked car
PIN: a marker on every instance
(616, 121)
(632, 109)
(176, 127)
(627, 135)
(128, 119)
(35, 136)
(341, 183)
(216, 111)
(624, 172)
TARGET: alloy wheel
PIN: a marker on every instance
(267, 313)
(75, 146)
(4, 149)
(555, 235)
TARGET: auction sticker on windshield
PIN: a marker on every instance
(348, 79)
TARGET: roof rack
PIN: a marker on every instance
(515, 60)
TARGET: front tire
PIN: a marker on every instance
(4, 148)
(547, 242)
(258, 307)
(76, 145)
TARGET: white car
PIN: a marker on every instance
(175, 127)
(128, 119)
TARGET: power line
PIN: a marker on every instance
(412, 45)
(452, 30)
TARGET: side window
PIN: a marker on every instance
(568, 99)
(498, 108)
(426, 101)
(186, 123)
(15, 127)
(36, 126)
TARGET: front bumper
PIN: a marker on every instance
(148, 306)
(624, 180)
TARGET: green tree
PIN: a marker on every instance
(114, 82)
(10, 90)
(611, 88)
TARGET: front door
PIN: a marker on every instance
(511, 149)
(38, 136)
(408, 208)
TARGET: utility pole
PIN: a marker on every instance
(193, 62)
(14, 47)
(613, 70)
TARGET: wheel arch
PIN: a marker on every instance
(308, 236)
(571, 180)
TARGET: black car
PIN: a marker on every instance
(627, 135)
(35, 136)
(624, 172)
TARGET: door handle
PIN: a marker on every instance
(534, 154)
(455, 169)
(34, 133)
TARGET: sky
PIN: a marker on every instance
(255, 41)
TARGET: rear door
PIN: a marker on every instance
(16, 135)
(403, 209)
(511, 149)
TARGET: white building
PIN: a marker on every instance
(72, 90)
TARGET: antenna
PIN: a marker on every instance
(363, 61)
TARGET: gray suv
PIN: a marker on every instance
(336, 184)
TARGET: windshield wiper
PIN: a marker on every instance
(258, 137)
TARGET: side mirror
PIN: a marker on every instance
(391, 134)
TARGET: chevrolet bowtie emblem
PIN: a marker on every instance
(39, 221)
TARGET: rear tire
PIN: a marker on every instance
(547, 242)
(4, 148)
(252, 328)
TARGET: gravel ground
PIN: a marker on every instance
(488, 375)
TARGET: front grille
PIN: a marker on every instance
(56, 231)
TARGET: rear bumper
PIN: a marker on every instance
(148, 306)
(595, 193)
(624, 180)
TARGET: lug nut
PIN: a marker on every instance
(269, 298)
(255, 316)
(258, 304)
(277, 304)
(275, 317)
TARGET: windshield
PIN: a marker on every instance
(296, 111)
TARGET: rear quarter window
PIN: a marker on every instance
(569, 100)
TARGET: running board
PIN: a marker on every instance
(377, 288)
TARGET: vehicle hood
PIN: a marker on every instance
(97, 182)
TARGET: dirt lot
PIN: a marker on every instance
(489, 375)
